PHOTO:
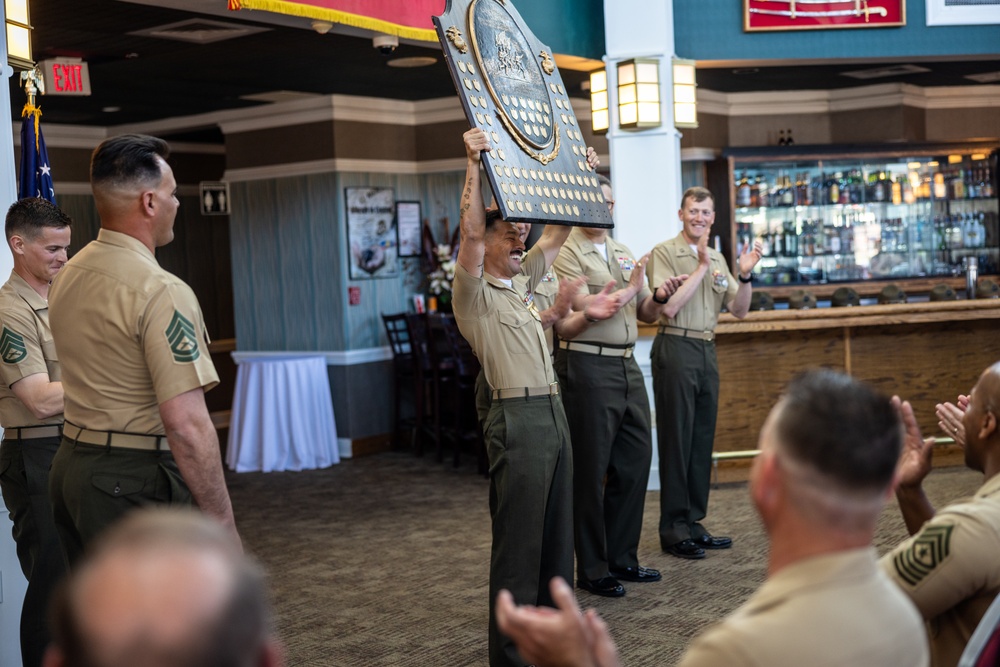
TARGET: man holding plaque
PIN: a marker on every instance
(685, 371)
(527, 437)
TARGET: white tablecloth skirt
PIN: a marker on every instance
(282, 416)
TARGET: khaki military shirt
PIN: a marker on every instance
(26, 348)
(951, 570)
(579, 257)
(503, 326)
(130, 336)
(675, 258)
(831, 610)
(545, 296)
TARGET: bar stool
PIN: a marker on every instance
(407, 378)
(466, 424)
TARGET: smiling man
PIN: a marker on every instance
(527, 437)
(685, 371)
(31, 405)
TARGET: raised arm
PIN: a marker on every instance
(690, 286)
(740, 305)
(914, 466)
(472, 216)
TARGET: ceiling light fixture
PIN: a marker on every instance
(322, 27)
(412, 61)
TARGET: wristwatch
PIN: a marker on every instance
(745, 280)
(657, 300)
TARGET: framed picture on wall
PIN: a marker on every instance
(372, 242)
(759, 15)
(963, 12)
(409, 225)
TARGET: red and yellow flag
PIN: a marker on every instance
(410, 19)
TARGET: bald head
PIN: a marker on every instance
(163, 589)
(982, 432)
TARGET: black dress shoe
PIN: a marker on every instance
(685, 549)
(639, 574)
(712, 542)
(606, 586)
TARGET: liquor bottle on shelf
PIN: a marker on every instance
(897, 190)
(909, 197)
(940, 190)
(832, 187)
(763, 191)
(986, 185)
(787, 192)
(781, 138)
(778, 243)
(791, 239)
(788, 138)
(957, 184)
(878, 190)
(743, 191)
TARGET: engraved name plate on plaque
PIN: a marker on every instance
(510, 87)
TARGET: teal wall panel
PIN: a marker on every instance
(573, 27)
(290, 260)
(713, 30)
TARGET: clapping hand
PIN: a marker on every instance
(915, 459)
(750, 257)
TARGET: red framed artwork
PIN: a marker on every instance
(759, 15)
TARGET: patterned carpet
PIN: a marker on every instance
(383, 560)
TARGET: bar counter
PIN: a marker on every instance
(925, 352)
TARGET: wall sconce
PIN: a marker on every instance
(18, 34)
(685, 99)
(599, 115)
(638, 94)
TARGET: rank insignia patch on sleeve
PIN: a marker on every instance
(182, 338)
(12, 347)
(929, 549)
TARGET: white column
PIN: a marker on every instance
(645, 164)
(12, 583)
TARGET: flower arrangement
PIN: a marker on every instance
(439, 280)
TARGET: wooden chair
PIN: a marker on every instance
(408, 377)
(465, 424)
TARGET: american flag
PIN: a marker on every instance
(35, 175)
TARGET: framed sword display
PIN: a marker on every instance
(510, 87)
(822, 14)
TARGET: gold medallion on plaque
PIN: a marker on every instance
(503, 71)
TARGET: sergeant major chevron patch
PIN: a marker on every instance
(929, 549)
(12, 348)
(182, 338)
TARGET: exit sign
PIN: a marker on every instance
(65, 76)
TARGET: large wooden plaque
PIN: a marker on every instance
(511, 88)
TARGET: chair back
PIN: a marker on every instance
(437, 343)
(466, 362)
(417, 323)
(983, 649)
(397, 330)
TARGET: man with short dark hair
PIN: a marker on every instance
(164, 588)
(135, 360)
(949, 567)
(685, 370)
(527, 438)
(827, 463)
(31, 405)
(607, 407)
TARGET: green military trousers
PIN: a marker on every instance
(608, 413)
(531, 505)
(686, 394)
(91, 486)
